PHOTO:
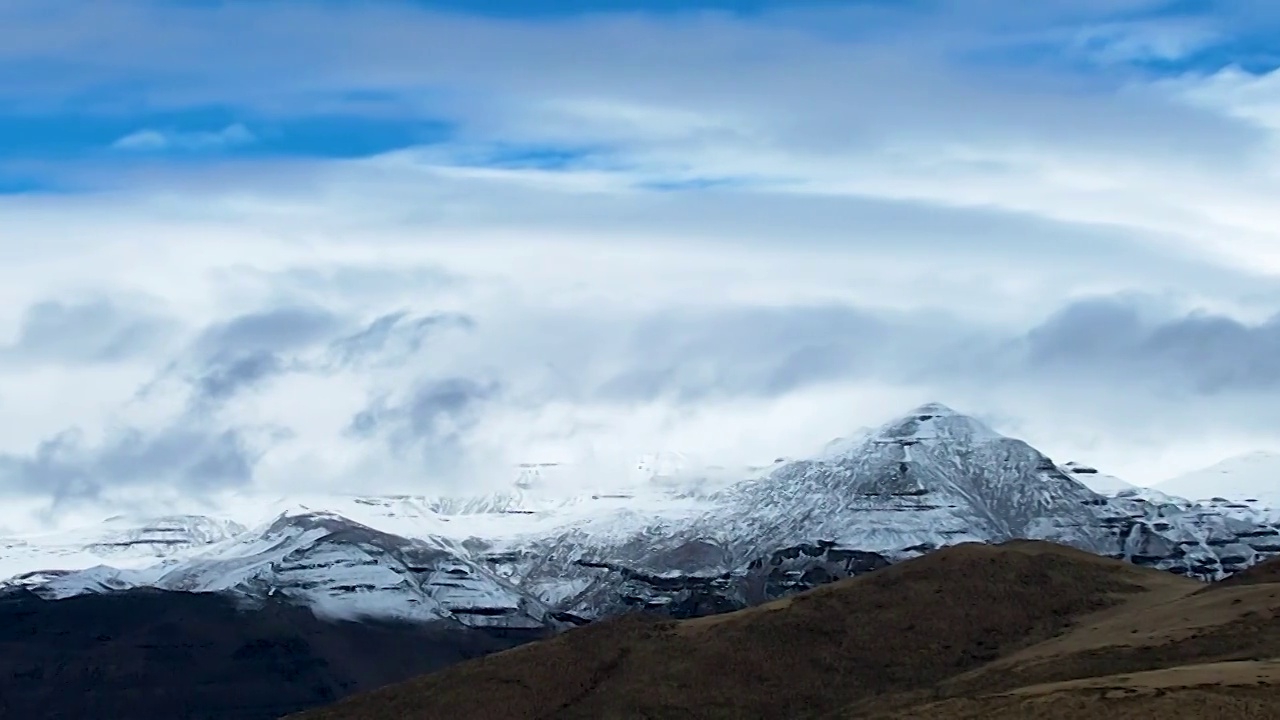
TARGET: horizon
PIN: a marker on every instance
(291, 247)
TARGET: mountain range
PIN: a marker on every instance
(677, 542)
(929, 479)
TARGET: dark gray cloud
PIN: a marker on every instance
(1128, 341)
(1088, 329)
(192, 452)
(250, 349)
(1117, 339)
(368, 340)
(96, 331)
(770, 351)
(398, 334)
(223, 377)
(277, 329)
(190, 458)
(432, 422)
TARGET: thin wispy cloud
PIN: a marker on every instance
(157, 140)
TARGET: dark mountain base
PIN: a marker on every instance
(181, 656)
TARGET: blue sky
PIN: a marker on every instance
(411, 244)
(514, 8)
(85, 103)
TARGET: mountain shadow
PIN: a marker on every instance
(150, 654)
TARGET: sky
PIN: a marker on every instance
(283, 246)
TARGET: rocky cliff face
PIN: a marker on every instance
(929, 479)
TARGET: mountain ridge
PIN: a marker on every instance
(925, 480)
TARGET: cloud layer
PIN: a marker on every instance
(397, 246)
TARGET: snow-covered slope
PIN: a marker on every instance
(693, 545)
(345, 569)
(1253, 478)
(931, 478)
(1098, 482)
(121, 542)
(337, 566)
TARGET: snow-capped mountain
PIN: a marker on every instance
(931, 478)
(1253, 478)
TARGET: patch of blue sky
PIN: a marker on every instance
(27, 136)
(209, 132)
(349, 136)
(30, 179)
(22, 185)
(560, 8)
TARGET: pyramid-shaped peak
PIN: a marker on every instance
(935, 421)
(934, 408)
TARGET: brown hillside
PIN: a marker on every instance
(879, 642)
(1164, 632)
(1246, 690)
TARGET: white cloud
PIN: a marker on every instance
(155, 140)
(922, 207)
(1144, 41)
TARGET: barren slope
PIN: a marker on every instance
(1210, 653)
(893, 634)
(1245, 690)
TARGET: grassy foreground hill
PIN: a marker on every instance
(1020, 630)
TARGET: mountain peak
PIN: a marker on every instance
(933, 421)
(936, 409)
